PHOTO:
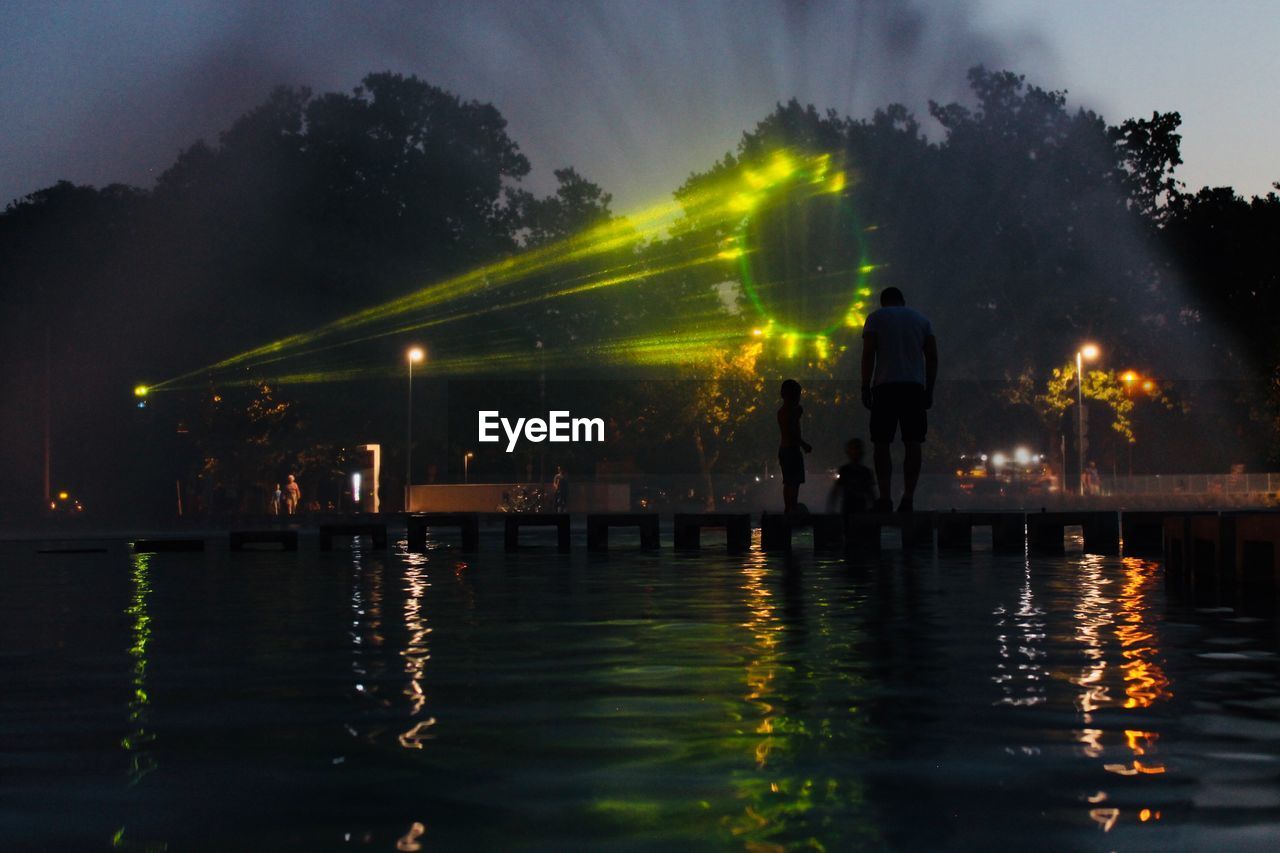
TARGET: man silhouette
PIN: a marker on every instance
(899, 369)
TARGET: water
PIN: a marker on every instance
(401, 702)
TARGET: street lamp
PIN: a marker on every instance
(1089, 352)
(466, 466)
(414, 355)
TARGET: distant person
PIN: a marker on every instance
(1092, 479)
(855, 485)
(791, 444)
(899, 370)
(277, 500)
(292, 495)
(560, 491)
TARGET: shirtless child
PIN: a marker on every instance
(791, 445)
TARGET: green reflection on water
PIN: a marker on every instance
(137, 742)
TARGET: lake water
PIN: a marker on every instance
(368, 700)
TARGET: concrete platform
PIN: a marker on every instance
(776, 528)
(688, 529)
(512, 523)
(154, 546)
(286, 539)
(375, 530)
(598, 524)
(955, 530)
(467, 523)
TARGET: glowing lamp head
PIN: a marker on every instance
(1148, 386)
(1022, 456)
(1129, 377)
(415, 355)
(1089, 352)
(140, 391)
(62, 496)
(998, 460)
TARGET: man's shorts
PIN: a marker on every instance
(895, 403)
(792, 462)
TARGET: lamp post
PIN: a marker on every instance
(466, 466)
(1090, 352)
(415, 354)
(1129, 377)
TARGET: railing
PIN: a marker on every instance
(1196, 485)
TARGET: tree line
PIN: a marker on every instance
(1023, 226)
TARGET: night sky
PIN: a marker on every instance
(634, 95)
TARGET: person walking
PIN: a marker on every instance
(899, 371)
(277, 500)
(292, 495)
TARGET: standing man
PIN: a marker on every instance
(899, 369)
(292, 495)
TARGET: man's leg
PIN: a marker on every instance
(911, 469)
(884, 469)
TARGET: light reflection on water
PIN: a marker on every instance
(418, 701)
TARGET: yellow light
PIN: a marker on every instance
(730, 254)
(781, 166)
(1148, 385)
(416, 355)
(837, 183)
(62, 496)
(757, 332)
(743, 202)
(140, 391)
(1089, 352)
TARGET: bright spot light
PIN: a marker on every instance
(416, 355)
(62, 496)
(998, 460)
(140, 391)
(1089, 352)
(757, 332)
(837, 183)
(984, 457)
(1148, 385)
(1022, 456)
(355, 487)
(1129, 376)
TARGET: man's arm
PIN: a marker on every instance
(930, 367)
(868, 365)
(868, 357)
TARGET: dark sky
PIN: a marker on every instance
(634, 94)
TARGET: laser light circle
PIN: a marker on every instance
(801, 252)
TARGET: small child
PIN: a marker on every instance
(855, 484)
(789, 455)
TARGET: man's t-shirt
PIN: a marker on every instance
(900, 333)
